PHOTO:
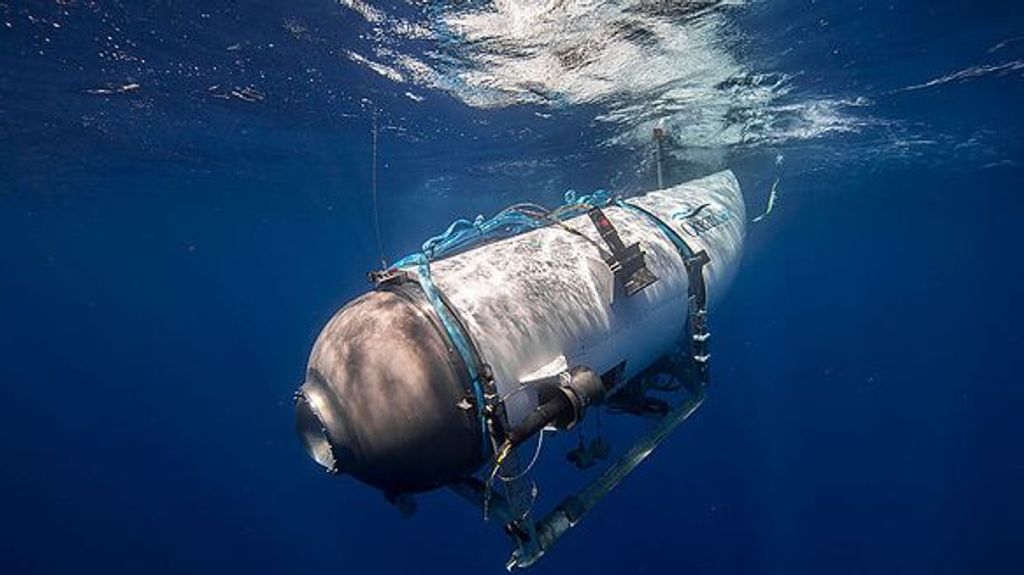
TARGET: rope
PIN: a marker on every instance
(529, 466)
(463, 233)
(373, 188)
(499, 460)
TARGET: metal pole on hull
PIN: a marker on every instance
(659, 137)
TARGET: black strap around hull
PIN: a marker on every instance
(697, 298)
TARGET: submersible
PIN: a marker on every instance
(505, 327)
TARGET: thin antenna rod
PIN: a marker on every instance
(373, 187)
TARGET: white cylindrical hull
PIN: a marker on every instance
(528, 300)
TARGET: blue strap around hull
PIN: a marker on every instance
(458, 338)
(676, 239)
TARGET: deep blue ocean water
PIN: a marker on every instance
(185, 201)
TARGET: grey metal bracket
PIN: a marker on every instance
(572, 509)
(532, 539)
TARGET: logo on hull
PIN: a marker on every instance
(696, 220)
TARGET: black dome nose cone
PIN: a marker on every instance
(382, 397)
